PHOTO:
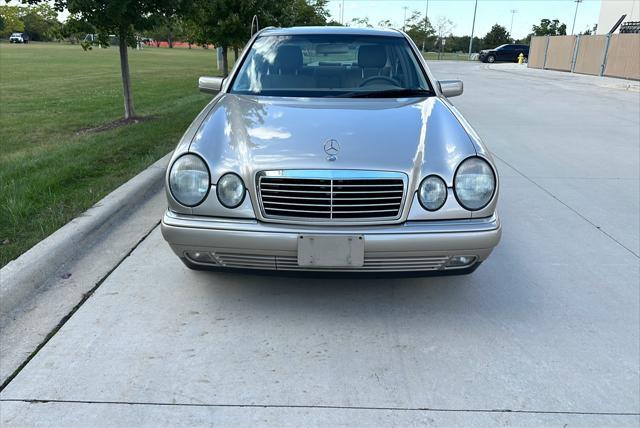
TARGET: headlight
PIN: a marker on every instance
(230, 190)
(432, 193)
(474, 183)
(189, 180)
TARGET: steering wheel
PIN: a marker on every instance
(368, 80)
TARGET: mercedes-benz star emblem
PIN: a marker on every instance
(331, 148)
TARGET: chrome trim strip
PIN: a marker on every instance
(410, 227)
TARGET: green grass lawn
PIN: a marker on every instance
(433, 56)
(50, 172)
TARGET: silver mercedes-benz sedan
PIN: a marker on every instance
(331, 149)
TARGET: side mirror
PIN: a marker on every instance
(451, 88)
(210, 85)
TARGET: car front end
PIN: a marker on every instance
(482, 55)
(352, 181)
(16, 38)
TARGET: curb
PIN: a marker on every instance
(29, 272)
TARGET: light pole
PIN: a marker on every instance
(404, 20)
(426, 21)
(575, 15)
(513, 13)
(473, 27)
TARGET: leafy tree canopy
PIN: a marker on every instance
(549, 27)
(227, 23)
(498, 35)
(12, 22)
(420, 29)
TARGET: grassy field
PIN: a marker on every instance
(49, 171)
(433, 56)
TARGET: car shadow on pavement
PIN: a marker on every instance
(497, 289)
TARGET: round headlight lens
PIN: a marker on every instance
(230, 190)
(474, 183)
(432, 193)
(189, 180)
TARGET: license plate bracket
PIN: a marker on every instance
(331, 250)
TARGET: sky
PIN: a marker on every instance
(489, 12)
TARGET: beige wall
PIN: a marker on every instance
(560, 52)
(623, 54)
(536, 52)
(623, 57)
(612, 10)
(590, 54)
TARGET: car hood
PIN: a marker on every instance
(247, 134)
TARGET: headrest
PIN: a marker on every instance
(288, 58)
(372, 56)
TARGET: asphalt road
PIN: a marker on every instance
(546, 332)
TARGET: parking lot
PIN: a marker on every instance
(544, 332)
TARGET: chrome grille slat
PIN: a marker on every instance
(331, 195)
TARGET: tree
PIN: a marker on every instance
(385, 23)
(549, 27)
(498, 35)
(40, 22)
(123, 18)
(11, 19)
(590, 31)
(75, 29)
(361, 22)
(226, 23)
(443, 28)
(419, 29)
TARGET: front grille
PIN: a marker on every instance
(372, 262)
(338, 196)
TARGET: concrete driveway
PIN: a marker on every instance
(546, 332)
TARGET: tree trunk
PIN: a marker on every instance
(225, 62)
(170, 37)
(235, 54)
(129, 110)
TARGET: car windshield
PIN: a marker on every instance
(331, 66)
(16, 35)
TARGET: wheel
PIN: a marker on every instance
(491, 59)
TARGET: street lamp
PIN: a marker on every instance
(404, 20)
(513, 13)
(575, 15)
(473, 27)
(426, 21)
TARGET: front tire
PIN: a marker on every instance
(491, 59)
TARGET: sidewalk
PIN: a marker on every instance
(574, 78)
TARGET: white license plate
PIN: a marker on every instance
(330, 251)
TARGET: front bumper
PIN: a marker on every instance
(249, 244)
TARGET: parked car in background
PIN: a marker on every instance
(332, 149)
(19, 38)
(508, 53)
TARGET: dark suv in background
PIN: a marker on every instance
(504, 53)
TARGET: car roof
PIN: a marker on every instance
(331, 30)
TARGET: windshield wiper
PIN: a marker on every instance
(388, 93)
